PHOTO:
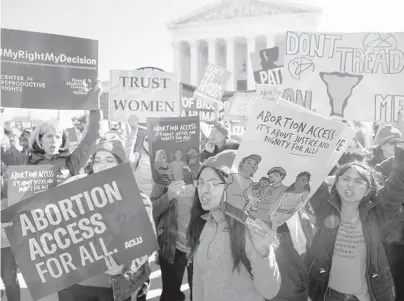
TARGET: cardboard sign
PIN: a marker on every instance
(60, 237)
(268, 66)
(241, 104)
(302, 145)
(47, 71)
(73, 139)
(26, 180)
(212, 85)
(144, 93)
(269, 92)
(174, 148)
(351, 76)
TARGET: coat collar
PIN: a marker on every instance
(36, 157)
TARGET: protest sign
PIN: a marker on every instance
(47, 71)
(268, 66)
(240, 105)
(212, 85)
(26, 180)
(60, 237)
(351, 76)
(174, 148)
(144, 93)
(269, 92)
(273, 187)
(73, 138)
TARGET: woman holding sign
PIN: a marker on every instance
(108, 154)
(231, 261)
(50, 144)
(347, 260)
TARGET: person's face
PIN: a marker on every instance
(301, 182)
(24, 142)
(192, 153)
(79, 126)
(388, 149)
(264, 183)
(210, 189)
(275, 178)
(351, 187)
(14, 140)
(52, 141)
(104, 160)
(178, 155)
(217, 138)
(250, 166)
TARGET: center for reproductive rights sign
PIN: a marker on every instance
(60, 237)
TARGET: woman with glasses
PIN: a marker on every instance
(231, 261)
(346, 260)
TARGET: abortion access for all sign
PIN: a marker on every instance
(60, 237)
(47, 71)
(351, 76)
(144, 93)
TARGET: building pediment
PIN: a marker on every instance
(232, 9)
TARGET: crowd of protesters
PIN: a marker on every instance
(226, 260)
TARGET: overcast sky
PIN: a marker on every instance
(133, 33)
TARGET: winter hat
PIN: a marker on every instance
(115, 147)
(222, 162)
(386, 134)
(221, 128)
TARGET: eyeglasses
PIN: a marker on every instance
(200, 183)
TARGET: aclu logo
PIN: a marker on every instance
(133, 242)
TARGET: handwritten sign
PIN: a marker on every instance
(47, 71)
(212, 85)
(27, 180)
(300, 143)
(144, 93)
(241, 104)
(351, 76)
(268, 66)
(60, 237)
(174, 147)
(269, 92)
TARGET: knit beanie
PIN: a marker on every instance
(115, 147)
(385, 134)
(222, 162)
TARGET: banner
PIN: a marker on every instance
(268, 66)
(73, 139)
(60, 237)
(47, 71)
(350, 76)
(302, 146)
(26, 180)
(144, 93)
(212, 85)
(174, 148)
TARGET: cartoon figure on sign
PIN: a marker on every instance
(293, 198)
(193, 161)
(164, 172)
(256, 193)
(239, 182)
(269, 57)
(339, 89)
(177, 165)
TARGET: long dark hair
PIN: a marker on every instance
(236, 230)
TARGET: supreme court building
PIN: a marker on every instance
(227, 31)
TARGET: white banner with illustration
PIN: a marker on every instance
(144, 93)
(285, 155)
(350, 76)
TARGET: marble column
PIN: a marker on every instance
(230, 63)
(212, 54)
(177, 59)
(194, 59)
(250, 72)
